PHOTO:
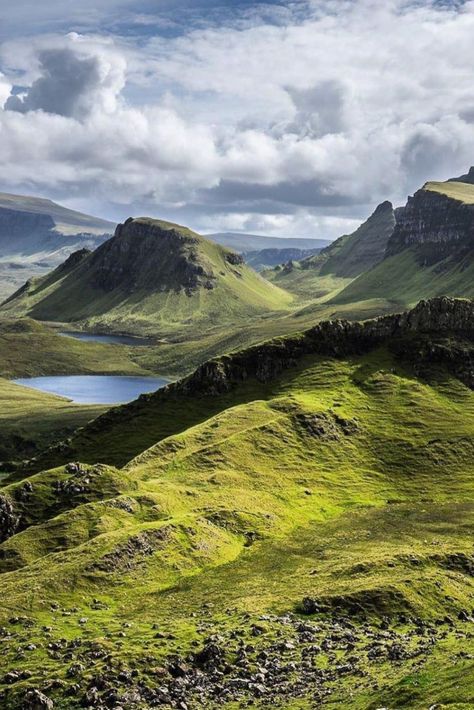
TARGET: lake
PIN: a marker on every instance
(108, 339)
(95, 389)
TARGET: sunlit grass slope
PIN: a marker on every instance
(345, 479)
(461, 191)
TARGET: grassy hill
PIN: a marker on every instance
(152, 277)
(460, 191)
(299, 533)
(338, 264)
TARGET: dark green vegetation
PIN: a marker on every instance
(290, 525)
(151, 277)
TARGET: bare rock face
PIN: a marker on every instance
(142, 254)
(9, 519)
(437, 225)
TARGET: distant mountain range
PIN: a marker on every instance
(36, 229)
(245, 243)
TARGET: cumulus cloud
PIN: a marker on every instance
(300, 125)
(69, 85)
(74, 80)
(5, 90)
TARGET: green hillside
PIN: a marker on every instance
(306, 541)
(400, 281)
(152, 277)
(338, 264)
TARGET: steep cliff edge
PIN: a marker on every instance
(438, 220)
(340, 262)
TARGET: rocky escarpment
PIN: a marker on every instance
(141, 249)
(437, 225)
(435, 318)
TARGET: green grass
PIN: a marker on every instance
(460, 191)
(249, 512)
(31, 420)
(400, 281)
(30, 349)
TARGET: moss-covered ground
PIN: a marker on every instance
(346, 481)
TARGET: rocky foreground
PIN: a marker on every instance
(266, 661)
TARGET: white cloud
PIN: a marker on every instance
(291, 126)
(5, 90)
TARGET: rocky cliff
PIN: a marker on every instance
(436, 224)
(434, 318)
(143, 249)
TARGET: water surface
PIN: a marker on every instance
(109, 339)
(95, 389)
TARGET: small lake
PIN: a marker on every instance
(108, 339)
(95, 389)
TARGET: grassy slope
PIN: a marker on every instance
(29, 349)
(31, 420)
(255, 512)
(399, 281)
(338, 264)
(239, 293)
(461, 191)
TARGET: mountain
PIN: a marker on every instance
(290, 526)
(152, 276)
(38, 234)
(266, 258)
(41, 230)
(245, 243)
(431, 250)
(340, 262)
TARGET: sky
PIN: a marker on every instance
(289, 118)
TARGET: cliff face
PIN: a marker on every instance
(438, 225)
(20, 229)
(352, 254)
(143, 253)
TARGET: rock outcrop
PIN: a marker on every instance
(437, 225)
(438, 317)
(9, 519)
(141, 249)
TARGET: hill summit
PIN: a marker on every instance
(154, 276)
